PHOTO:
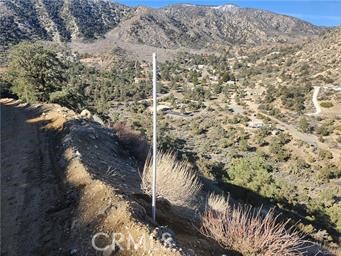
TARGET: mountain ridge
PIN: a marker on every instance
(179, 25)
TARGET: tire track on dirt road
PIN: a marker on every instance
(30, 187)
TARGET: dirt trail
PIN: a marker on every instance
(316, 102)
(33, 219)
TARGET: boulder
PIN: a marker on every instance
(86, 114)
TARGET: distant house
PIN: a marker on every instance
(214, 78)
(276, 131)
(160, 108)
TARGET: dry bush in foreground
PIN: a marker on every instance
(134, 141)
(175, 180)
(244, 229)
(217, 203)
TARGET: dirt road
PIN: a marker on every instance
(311, 139)
(316, 102)
(33, 216)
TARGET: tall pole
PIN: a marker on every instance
(154, 139)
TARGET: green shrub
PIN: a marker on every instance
(326, 104)
(304, 125)
(334, 213)
(278, 151)
(325, 154)
(329, 172)
(254, 173)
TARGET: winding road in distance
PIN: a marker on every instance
(315, 102)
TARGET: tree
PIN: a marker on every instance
(254, 173)
(193, 77)
(35, 71)
(304, 125)
(217, 89)
(278, 151)
(217, 169)
(243, 145)
(72, 93)
(325, 129)
(102, 97)
(226, 77)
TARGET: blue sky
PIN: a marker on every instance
(319, 12)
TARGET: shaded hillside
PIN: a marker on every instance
(19, 21)
(57, 19)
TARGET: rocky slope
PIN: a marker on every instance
(206, 26)
(170, 27)
(58, 20)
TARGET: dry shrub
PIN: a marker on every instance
(175, 181)
(217, 203)
(133, 141)
(244, 229)
(335, 251)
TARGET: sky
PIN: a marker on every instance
(318, 12)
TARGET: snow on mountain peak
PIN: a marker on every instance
(226, 7)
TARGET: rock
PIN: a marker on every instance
(77, 153)
(97, 119)
(86, 114)
(73, 252)
(166, 236)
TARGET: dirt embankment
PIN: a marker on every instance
(64, 178)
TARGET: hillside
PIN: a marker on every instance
(170, 27)
(59, 20)
(297, 69)
(209, 26)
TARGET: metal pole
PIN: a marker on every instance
(154, 139)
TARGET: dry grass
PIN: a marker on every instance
(175, 180)
(244, 229)
(217, 203)
(335, 251)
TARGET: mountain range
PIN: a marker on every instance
(170, 27)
